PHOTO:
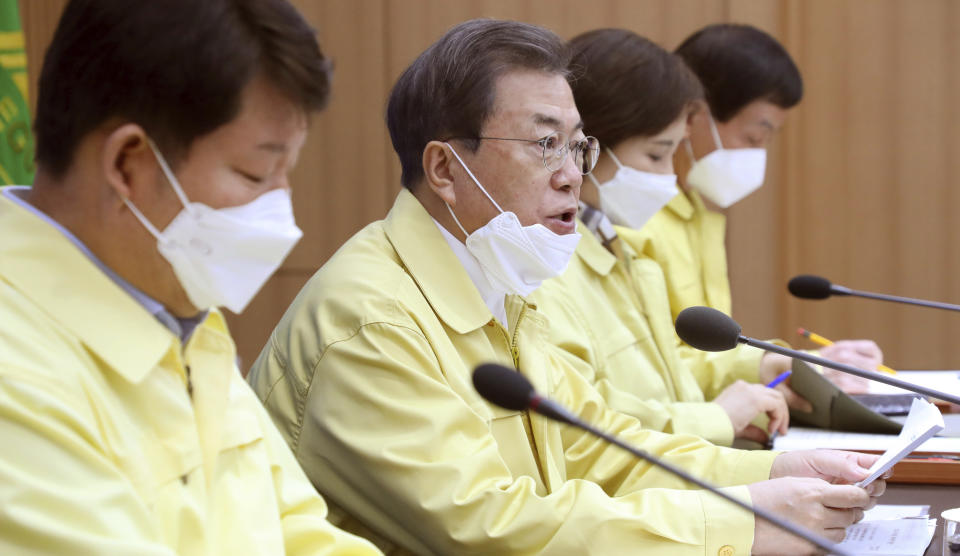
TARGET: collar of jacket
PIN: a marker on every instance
(592, 252)
(433, 265)
(686, 204)
(42, 264)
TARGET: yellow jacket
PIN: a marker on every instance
(105, 451)
(368, 376)
(614, 315)
(687, 240)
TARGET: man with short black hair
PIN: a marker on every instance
(165, 132)
(368, 374)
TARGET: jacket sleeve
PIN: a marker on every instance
(619, 386)
(61, 493)
(716, 370)
(704, 419)
(619, 472)
(303, 513)
(387, 436)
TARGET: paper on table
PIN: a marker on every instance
(882, 512)
(804, 438)
(945, 381)
(881, 532)
(895, 537)
(922, 423)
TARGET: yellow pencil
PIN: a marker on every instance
(820, 340)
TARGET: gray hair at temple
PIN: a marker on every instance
(449, 90)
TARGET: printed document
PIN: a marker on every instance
(923, 422)
(891, 531)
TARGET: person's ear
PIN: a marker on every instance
(698, 130)
(437, 161)
(127, 161)
(699, 113)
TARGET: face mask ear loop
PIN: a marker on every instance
(615, 159)
(716, 134)
(689, 149)
(143, 219)
(456, 220)
(474, 178)
(169, 174)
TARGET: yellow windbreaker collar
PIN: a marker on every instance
(593, 253)
(42, 264)
(683, 206)
(433, 266)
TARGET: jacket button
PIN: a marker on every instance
(726, 550)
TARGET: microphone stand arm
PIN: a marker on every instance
(869, 375)
(797, 530)
(840, 290)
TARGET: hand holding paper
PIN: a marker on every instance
(923, 422)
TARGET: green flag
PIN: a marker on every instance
(16, 138)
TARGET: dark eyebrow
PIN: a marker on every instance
(279, 148)
(543, 119)
(766, 124)
(664, 142)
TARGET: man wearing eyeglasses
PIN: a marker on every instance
(369, 373)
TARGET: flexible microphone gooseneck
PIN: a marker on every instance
(507, 388)
(708, 329)
(808, 286)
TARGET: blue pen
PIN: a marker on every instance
(783, 376)
(772, 440)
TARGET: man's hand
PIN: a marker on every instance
(743, 401)
(811, 488)
(847, 383)
(833, 466)
(864, 354)
(773, 365)
(820, 507)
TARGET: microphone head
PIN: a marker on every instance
(503, 386)
(707, 329)
(808, 286)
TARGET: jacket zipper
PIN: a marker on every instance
(515, 353)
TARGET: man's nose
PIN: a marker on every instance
(567, 176)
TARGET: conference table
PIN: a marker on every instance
(938, 497)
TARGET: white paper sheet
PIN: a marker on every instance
(803, 438)
(923, 422)
(882, 512)
(945, 381)
(904, 531)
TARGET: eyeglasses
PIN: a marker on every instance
(585, 151)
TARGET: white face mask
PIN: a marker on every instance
(726, 175)
(632, 197)
(222, 257)
(515, 258)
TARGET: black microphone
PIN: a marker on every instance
(710, 330)
(807, 286)
(507, 388)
